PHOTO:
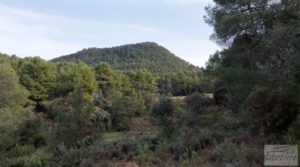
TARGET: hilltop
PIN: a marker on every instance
(147, 55)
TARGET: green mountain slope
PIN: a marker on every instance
(147, 55)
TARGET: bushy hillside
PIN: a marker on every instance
(147, 55)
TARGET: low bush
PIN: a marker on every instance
(197, 102)
(163, 109)
(292, 135)
(29, 156)
(145, 155)
(190, 158)
(271, 110)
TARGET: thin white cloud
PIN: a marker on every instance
(29, 33)
(10, 13)
(168, 2)
(188, 2)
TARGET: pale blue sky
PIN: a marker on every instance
(51, 28)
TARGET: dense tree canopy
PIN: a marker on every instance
(37, 76)
(262, 51)
(146, 55)
(69, 75)
(11, 92)
(167, 68)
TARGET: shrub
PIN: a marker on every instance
(292, 135)
(230, 151)
(163, 149)
(250, 155)
(190, 158)
(28, 156)
(271, 110)
(87, 163)
(196, 102)
(69, 157)
(221, 95)
(163, 109)
(125, 107)
(145, 155)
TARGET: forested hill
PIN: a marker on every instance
(147, 55)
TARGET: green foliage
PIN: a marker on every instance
(146, 55)
(163, 149)
(70, 75)
(86, 78)
(125, 107)
(33, 131)
(165, 85)
(237, 84)
(235, 18)
(29, 156)
(238, 79)
(13, 117)
(37, 76)
(242, 155)
(213, 62)
(145, 155)
(258, 69)
(143, 79)
(197, 102)
(11, 92)
(145, 85)
(11, 120)
(230, 151)
(183, 83)
(139, 61)
(74, 123)
(261, 39)
(190, 158)
(272, 110)
(283, 62)
(23, 139)
(108, 80)
(69, 157)
(292, 135)
(163, 109)
(250, 156)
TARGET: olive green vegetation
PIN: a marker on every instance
(258, 71)
(175, 76)
(49, 109)
(146, 55)
(53, 112)
(139, 104)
